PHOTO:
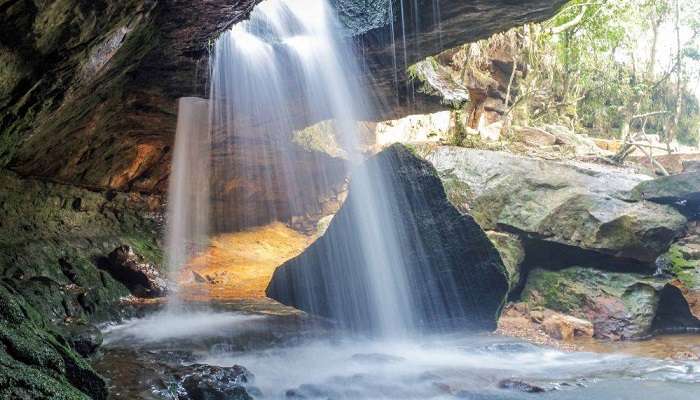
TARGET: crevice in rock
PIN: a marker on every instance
(673, 314)
(557, 256)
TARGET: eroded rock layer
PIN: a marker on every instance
(89, 93)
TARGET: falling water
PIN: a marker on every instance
(286, 67)
(188, 195)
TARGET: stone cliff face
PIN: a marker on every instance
(89, 88)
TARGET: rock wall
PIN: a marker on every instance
(54, 241)
(89, 94)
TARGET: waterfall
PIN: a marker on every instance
(188, 194)
(287, 67)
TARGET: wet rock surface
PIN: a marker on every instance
(455, 276)
(205, 382)
(51, 285)
(35, 362)
(56, 235)
(142, 278)
(314, 363)
(683, 262)
(520, 386)
(85, 339)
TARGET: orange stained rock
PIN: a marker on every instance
(240, 265)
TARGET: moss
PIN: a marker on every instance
(555, 291)
(459, 194)
(512, 253)
(35, 360)
(19, 381)
(686, 270)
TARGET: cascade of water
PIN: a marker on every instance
(288, 62)
(188, 195)
(287, 67)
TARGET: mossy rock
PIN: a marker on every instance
(582, 205)
(59, 234)
(620, 305)
(35, 362)
(512, 252)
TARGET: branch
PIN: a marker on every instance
(649, 114)
(654, 163)
(568, 25)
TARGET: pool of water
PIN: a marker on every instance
(291, 355)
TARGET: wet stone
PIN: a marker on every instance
(520, 386)
(205, 382)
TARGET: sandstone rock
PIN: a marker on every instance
(566, 327)
(575, 204)
(620, 305)
(141, 277)
(673, 163)
(454, 274)
(580, 145)
(491, 132)
(47, 122)
(534, 136)
(542, 325)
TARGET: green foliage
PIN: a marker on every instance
(593, 66)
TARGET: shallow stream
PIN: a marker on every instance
(292, 356)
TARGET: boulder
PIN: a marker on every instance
(681, 191)
(206, 382)
(566, 327)
(534, 136)
(520, 386)
(142, 278)
(542, 325)
(84, 339)
(576, 204)
(620, 305)
(453, 273)
(579, 145)
(691, 165)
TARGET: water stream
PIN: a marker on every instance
(293, 357)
